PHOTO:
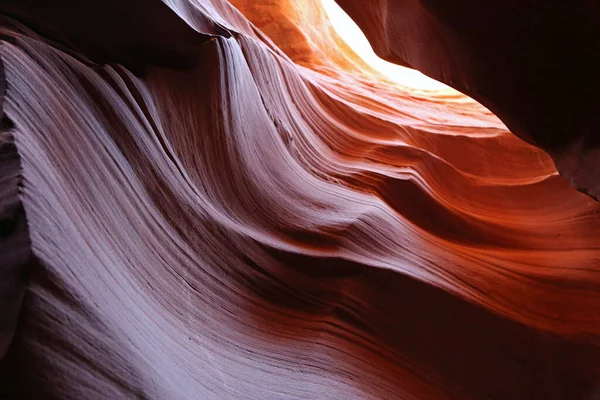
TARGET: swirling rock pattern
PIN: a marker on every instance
(253, 213)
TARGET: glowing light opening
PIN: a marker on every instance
(354, 37)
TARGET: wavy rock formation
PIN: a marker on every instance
(224, 201)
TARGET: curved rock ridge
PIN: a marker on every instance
(265, 216)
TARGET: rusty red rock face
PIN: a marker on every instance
(534, 63)
(212, 199)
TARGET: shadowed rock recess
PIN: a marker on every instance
(211, 199)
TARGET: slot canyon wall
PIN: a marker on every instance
(203, 199)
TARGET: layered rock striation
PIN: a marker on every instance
(223, 200)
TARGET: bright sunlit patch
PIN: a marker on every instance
(353, 36)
